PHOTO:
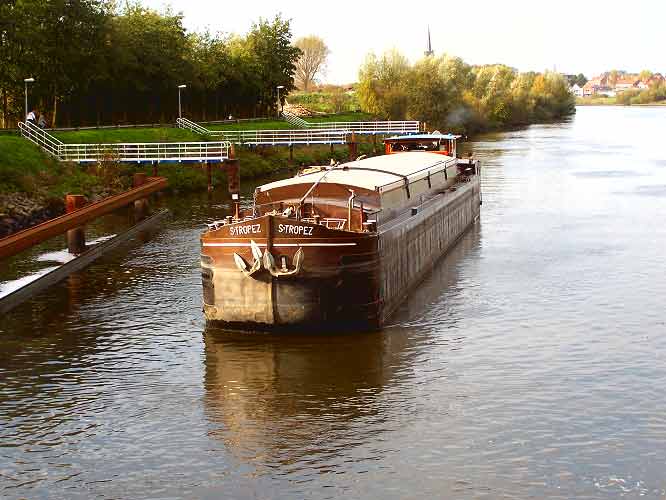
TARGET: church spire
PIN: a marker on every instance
(429, 52)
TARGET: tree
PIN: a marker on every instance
(312, 60)
(613, 77)
(275, 60)
(581, 80)
(382, 88)
(645, 75)
(69, 34)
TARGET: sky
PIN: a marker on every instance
(565, 35)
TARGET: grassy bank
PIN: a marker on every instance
(596, 101)
(326, 100)
(612, 101)
(113, 135)
(26, 170)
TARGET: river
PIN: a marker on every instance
(529, 364)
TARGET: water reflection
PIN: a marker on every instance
(280, 399)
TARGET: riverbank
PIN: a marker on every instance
(612, 101)
(33, 184)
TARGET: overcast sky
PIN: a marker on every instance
(571, 36)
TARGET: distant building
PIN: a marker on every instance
(576, 90)
(655, 79)
(627, 83)
(601, 85)
(593, 87)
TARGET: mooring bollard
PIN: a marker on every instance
(140, 206)
(76, 238)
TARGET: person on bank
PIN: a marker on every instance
(31, 116)
(41, 123)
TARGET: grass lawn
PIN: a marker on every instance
(106, 135)
(284, 125)
(343, 117)
(251, 125)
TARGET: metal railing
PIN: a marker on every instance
(126, 152)
(146, 152)
(43, 139)
(378, 127)
(295, 120)
(186, 124)
(281, 137)
(314, 133)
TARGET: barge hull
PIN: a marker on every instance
(408, 250)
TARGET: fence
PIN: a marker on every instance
(269, 137)
(126, 152)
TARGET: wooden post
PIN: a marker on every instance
(233, 176)
(374, 144)
(76, 238)
(291, 154)
(209, 176)
(353, 147)
(140, 205)
(154, 169)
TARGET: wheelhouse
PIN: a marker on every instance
(444, 144)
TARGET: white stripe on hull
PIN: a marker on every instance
(281, 244)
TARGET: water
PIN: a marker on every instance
(528, 365)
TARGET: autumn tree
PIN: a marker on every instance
(312, 60)
(452, 96)
(383, 85)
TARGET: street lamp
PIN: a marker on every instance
(279, 105)
(180, 113)
(27, 81)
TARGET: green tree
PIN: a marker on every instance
(581, 80)
(275, 59)
(382, 87)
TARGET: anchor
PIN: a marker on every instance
(269, 264)
(243, 266)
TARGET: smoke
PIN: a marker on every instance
(459, 116)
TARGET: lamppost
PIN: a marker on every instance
(27, 81)
(180, 113)
(279, 105)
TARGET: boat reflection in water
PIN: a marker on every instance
(307, 401)
(278, 399)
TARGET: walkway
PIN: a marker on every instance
(310, 133)
(283, 137)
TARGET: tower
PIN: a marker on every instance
(429, 52)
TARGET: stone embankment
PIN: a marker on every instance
(18, 211)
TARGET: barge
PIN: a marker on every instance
(340, 246)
